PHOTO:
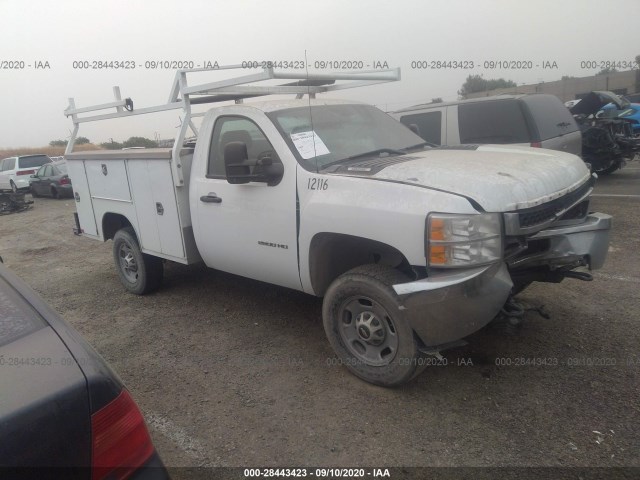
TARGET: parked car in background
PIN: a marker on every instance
(631, 112)
(61, 406)
(607, 138)
(52, 180)
(15, 171)
(536, 120)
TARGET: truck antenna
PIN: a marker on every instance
(313, 132)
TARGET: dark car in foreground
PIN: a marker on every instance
(63, 412)
(52, 180)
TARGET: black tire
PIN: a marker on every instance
(520, 287)
(34, 194)
(358, 298)
(139, 273)
(14, 189)
(611, 166)
(55, 194)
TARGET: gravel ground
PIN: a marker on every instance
(234, 372)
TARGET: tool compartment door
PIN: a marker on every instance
(82, 195)
(156, 206)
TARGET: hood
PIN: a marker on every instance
(594, 101)
(499, 178)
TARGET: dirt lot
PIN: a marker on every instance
(233, 372)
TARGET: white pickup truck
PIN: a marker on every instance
(412, 247)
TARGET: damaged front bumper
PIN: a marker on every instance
(447, 307)
(586, 243)
(450, 305)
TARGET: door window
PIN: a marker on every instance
(500, 121)
(8, 164)
(236, 129)
(40, 172)
(429, 125)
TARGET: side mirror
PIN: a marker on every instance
(33, 176)
(235, 163)
(238, 168)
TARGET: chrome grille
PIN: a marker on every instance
(573, 205)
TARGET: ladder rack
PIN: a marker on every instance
(182, 96)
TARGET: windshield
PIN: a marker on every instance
(35, 161)
(62, 168)
(340, 132)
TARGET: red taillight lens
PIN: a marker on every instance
(25, 172)
(536, 144)
(120, 440)
(65, 181)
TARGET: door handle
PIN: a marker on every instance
(211, 198)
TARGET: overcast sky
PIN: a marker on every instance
(233, 31)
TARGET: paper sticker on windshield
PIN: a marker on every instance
(304, 142)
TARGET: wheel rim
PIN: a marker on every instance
(128, 264)
(368, 331)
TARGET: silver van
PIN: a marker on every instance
(536, 120)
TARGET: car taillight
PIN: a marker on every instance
(65, 181)
(120, 439)
(536, 144)
(25, 172)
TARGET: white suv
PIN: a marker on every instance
(15, 172)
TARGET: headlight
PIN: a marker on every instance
(463, 240)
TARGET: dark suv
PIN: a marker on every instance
(536, 120)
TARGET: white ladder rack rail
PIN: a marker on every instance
(183, 96)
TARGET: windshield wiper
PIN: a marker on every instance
(377, 152)
(423, 144)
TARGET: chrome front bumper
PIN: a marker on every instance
(588, 240)
(451, 305)
(447, 307)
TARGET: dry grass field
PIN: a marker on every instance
(51, 151)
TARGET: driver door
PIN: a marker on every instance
(247, 229)
(36, 183)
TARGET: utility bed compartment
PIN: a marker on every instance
(139, 185)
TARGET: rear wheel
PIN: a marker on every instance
(54, 193)
(34, 193)
(367, 329)
(139, 273)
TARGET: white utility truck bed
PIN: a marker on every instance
(139, 185)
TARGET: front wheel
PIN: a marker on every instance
(139, 273)
(367, 329)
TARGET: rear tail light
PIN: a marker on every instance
(536, 144)
(65, 181)
(120, 440)
(25, 172)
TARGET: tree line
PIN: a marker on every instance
(112, 145)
